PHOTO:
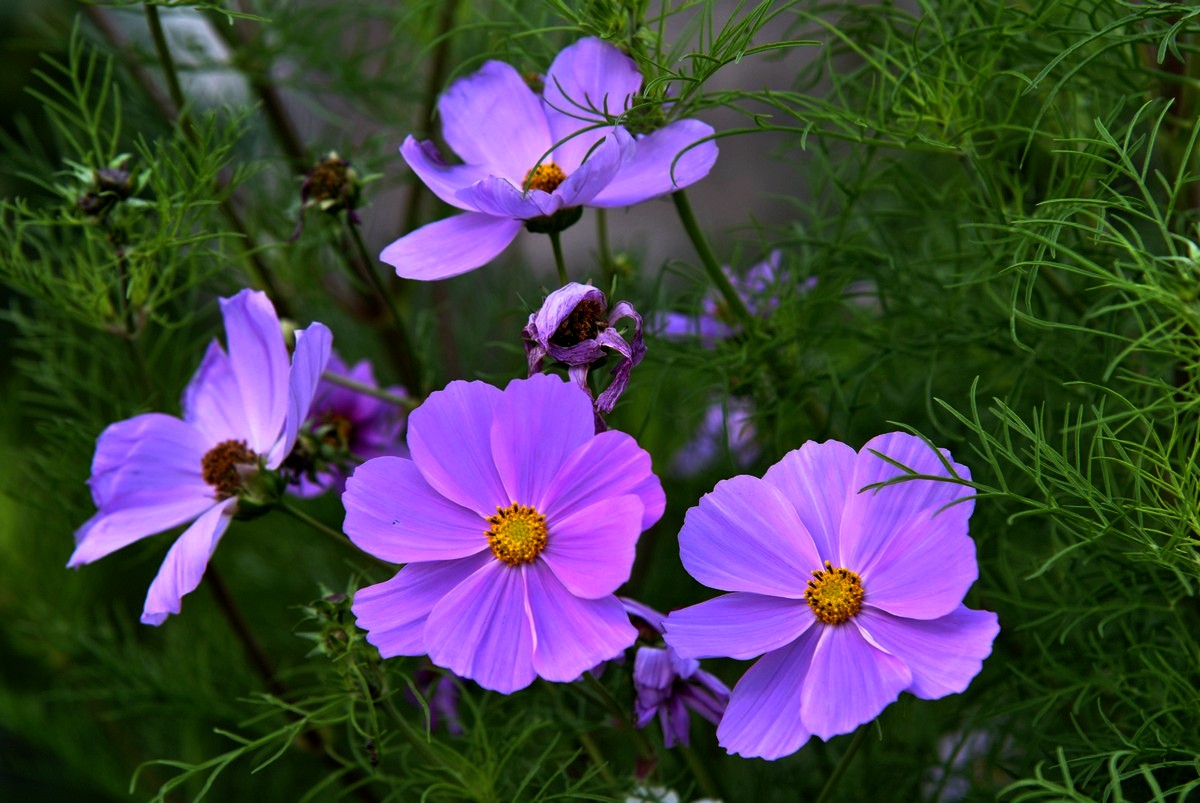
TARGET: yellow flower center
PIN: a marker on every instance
(545, 177)
(221, 466)
(835, 595)
(518, 534)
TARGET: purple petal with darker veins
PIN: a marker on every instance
(745, 536)
(816, 478)
(443, 180)
(610, 464)
(663, 161)
(587, 83)
(500, 198)
(591, 549)
(185, 563)
(117, 527)
(451, 246)
(849, 682)
(212, 401)
(607, 400)
(571, 635)
(260, 363)
(944, 654)
(737, 625)
(492, 118)
(763, 716)
(393, 514)
(481, 629)
(394, 612)
(148, 453)
(601, 166)
(313, 346)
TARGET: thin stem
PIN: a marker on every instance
(164, 57)
(418, 739)
(642, 744)
(399, 344)
(703, 777)
(606, 260)
(705, 252)
(369, 390)
(593, 751)
(559, 262)
(241, 628)
(843, 764)
(324, 529)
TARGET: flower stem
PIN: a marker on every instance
(164, 57)
(606, 260)
(324, 529)
(559, 262)
(843, 764)
(705, 252)
(703, 778)
(644, 748)
(369, 390)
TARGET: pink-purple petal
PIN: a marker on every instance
(167, 451)
(610, 464)
(482, 630)
(591, 550)
(849, 682)
(443, 180)
(450, 440)
(737, 625)
(451, 246)
(185, 563)
(816, 479)
(500, 198)
(492, 118)
(572, 635)
(943, 654)
(539, 422)
(763, 717)
(260, 363)
(394, 612)
(663, 161)
(313, 347)
(121, 525)
(589, 82)
(212, 401)
(393, 514)
(601, 166)
(745, 536)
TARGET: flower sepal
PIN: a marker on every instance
(561, 220)
(260, 492)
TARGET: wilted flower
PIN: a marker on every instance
(331, 186)
(533, 161)
(241, 413)
(667, 685)
(575, 326)
(344, 424)
(853, 595)
(517, 523)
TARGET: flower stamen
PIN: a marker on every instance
(835, 595)
(585, 322)
(518, 534)
(222, 465)
(545, 177)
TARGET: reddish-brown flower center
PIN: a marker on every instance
(585, 322)
(222, 466)
(545, 177)
(339, 429)
(835, 595)
(518, 534)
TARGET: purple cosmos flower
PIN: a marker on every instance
(850, 595)
(517, 522)
(668, 685)
(343, 423)
(241, 413)
(575, 326)
(534, 161)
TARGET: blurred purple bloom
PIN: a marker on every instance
(535, 161)
(851, 596)
(441, 695)
(517, 523)
(715, 322)
(346, 423)
(726, 429)
(668, 685)
(241, 414)
(575, 326)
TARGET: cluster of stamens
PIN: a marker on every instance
(221, 466)
(545, 177)
(835, 595)
(338, 430)
(585, 322)
(517, 534)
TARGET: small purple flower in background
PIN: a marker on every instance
(241, 413)
(667, 685)
(715, 322)
(726, 429)
(533, 161)
(850, 595)
(440, 693)
(344, 423)
(575, 326)
(517, 523)
(969, 760)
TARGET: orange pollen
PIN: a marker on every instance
(517, 535)
(835, 595)
(221, 466)
(545, 177)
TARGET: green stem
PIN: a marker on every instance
(369, 390)
(559, 262)
(644, 748)
(843, 764)
(703, 778)
(705, 252)
(418, 740)
(593, 751)
(606, 260)
(324, 529)
(164, 57)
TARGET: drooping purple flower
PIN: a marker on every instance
(344, 423)
(715, 321)
(517, 523)
(668, 685)
(533, 161)
(241, 414)
(852, 594)
(575, 326)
